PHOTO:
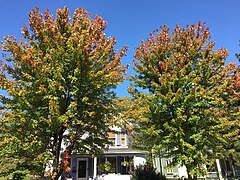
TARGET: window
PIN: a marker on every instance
(111, 137)
(118, 139)
(123, 139)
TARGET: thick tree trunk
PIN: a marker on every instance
(58, 142)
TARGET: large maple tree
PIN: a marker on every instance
(57, 90)
(186, 110)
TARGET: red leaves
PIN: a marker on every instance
(60, 62)
(65, 165)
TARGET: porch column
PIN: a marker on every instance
(95, 167)
(219, 169)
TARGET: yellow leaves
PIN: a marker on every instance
(85, 99)
(27, 76)
(53, 105)
(22, 92)
(91, 114)
(60, 78)
(73, 104)
(42, 89)
(191, 102)
(55, 84)
(93, 127)
(80, 122)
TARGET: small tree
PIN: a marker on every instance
(57, 89)
(187, 111)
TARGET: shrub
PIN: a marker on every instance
(148, 172)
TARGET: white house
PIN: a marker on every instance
(223, 169)
(115, 163)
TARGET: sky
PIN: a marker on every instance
(131, 21)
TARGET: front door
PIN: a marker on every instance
(82, 170)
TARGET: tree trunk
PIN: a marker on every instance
(69, 151)
(56, 166)
(58, 174)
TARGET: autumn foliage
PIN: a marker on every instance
(189, 111)
(57, 95)
(58, 89)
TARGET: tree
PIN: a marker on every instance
(57, 89)
(187, 110)
(235, 155)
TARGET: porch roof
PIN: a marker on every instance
(125, 151)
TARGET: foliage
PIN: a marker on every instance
(235, 155)
(57, 89)
(188, 109)
(125, 163)
(16, 168)
(143, 172)
(106, 167)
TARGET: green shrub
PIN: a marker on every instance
(146, 172)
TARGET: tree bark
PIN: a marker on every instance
(56, 169)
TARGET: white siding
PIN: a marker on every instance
(139, 161)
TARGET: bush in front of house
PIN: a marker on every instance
(148, 172)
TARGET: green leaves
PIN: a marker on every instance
(189, 97)
(59, 82)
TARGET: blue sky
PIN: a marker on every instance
(131, 21)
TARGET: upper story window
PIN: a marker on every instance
(111, 137)
(118, 139)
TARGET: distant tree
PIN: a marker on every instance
(57, 90)
(186, 109)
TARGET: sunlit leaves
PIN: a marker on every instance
(190, 88)
(59, 82)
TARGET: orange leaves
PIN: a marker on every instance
(62, 19)
(5, 113)
(236, 82)
(42, 89)
(61, 77)
(25, 32)
(36, 21)
(49, 23)
(189, 91)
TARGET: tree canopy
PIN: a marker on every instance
(188, 108)
(57, 95)
(57, 85)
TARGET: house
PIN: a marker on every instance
(223, 169)
(115, 163)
